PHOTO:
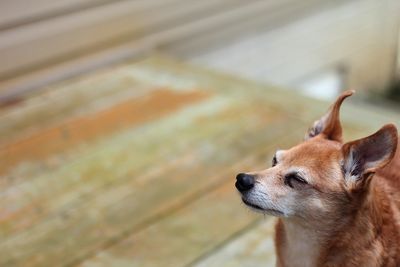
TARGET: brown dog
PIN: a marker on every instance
(338, 204)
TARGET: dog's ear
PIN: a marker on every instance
(329, 125)
(365, 156)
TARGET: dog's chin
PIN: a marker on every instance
(262, 210)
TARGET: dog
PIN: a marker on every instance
(338, 204)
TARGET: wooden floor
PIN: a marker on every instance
(135, 166)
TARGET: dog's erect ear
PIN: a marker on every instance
(329, 125)
(365, 156)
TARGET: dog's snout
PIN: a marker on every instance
(244, 182)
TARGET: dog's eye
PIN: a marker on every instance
(274, 161)
(294, 177)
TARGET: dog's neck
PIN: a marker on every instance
(302, 243)
(299, 246)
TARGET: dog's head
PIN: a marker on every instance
(320, 176)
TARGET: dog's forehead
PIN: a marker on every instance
(314, 151)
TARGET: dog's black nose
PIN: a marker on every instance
(244, 182)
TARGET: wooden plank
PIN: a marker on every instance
(201, 47)
(81, 95)
(73, 132)
(112, 219)
(151, 142)
(16, 12)
(106, 26)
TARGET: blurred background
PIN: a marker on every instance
(124, 122)
(296, 44)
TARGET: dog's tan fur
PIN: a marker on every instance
(348, 211)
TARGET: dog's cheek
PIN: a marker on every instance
(289, 203)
